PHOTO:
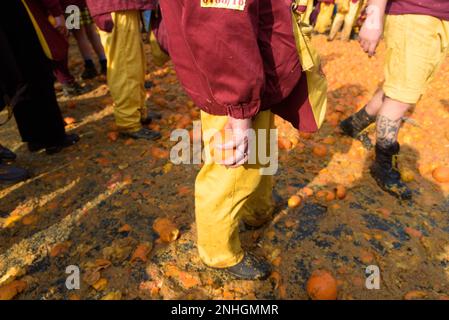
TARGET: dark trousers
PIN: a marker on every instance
(26, 78)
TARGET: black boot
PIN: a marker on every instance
(149, 118)
(103, 66)
(143, 133)
(6, 154)
(69, 140)
(11, 175)
(355, 125)
(90, 71)
(250, 268)
(384, 171)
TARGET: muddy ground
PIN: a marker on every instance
(93, 204)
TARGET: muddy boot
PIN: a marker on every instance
(148, 84)
(149, 118)
(11, 175)
(69, 140)
(90, 71)
(103, 66)
(355, 126)
(143, 133)
(250, 268)
(73, 89)
(384, 171)
(6, 154)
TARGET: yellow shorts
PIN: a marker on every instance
(416, 47)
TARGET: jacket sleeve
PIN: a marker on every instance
(53, 7)
(222, 45)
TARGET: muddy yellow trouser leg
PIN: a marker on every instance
(309, 11)
(223, 196)
(336, 25)
(324, 19)
(350, 19)
(126, 69)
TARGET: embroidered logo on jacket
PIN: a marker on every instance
(224, 4)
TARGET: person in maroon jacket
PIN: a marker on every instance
(27, 81)
(53, 10)
(120, 25)
(238, 61)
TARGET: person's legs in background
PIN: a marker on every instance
(350, 19)
(82, 40)
(410, 66)
(34, 103)
(126, 74)
(336, 25)
(324, 19)
(93, 37)
(70, 87)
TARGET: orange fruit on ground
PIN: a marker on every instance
(284, 143)
(141, 252)
(159, 153)
(71, 104)
(166, 229)
(322, 286)
(306, 191)
(330, 196)
(113, 136)
(441, 174)
(340, 191)
(294, 201)
(329, 140)
(319, 150)
(10, 290)
(69, 120)
(321, 194)
(407, 175)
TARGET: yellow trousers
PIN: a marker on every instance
(224, 196)
(126, 69)
(347, 20)
(416, 47)
(324, 19)
(309, 11)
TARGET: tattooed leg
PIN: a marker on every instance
(387, 131)
(384, 169)
(389, 121)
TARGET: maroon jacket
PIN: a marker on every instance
(80, 3)
(52, 6)
(100, 7)
(56, 42)
(232, 62)
(235, 62)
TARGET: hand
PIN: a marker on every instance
(239, 129)
(60, 25)
(371, 31)
(104, 22)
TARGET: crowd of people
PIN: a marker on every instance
(258, 70)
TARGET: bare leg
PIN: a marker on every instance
(373, 107)
(94, 39)
(83, 43)
(336, 26)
